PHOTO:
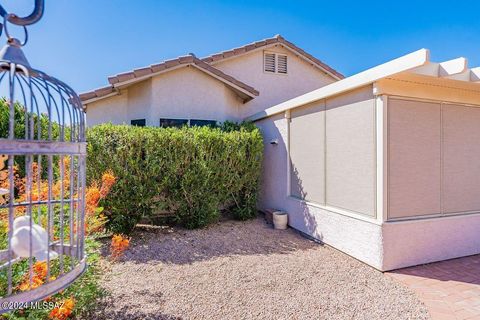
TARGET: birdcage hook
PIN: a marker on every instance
(34, 17)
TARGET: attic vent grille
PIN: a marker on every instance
(275, 63)
(269, 62)
(282, 64)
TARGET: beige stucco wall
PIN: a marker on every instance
(274, 179)
(419, 241)
(302, 77)
(185, 93)
(112, 110)
(190, 93)
(139, 104)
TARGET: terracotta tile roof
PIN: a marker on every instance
(97, 93)
(267, 42)
(248, 91)
(204, 64)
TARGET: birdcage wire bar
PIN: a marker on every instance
(57, 156)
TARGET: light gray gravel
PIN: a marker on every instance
(246, 270)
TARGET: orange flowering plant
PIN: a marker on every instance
(95, 220)
(81, 295)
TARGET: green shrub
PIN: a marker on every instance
(189, 172)
(40, 128)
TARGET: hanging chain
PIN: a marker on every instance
(12, 18)
(9, 37)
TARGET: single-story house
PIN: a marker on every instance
(229, 85)
(383, 165)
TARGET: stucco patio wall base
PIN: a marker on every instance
(414, 242)
(358, 238)
(391, 245)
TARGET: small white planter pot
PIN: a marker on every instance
(280, 220)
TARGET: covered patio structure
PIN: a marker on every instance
(383, 165)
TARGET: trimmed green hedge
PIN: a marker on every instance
(190, 172)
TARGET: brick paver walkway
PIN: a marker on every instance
(450, 289)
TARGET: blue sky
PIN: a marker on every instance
(84, 41)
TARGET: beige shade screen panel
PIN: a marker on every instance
(332, 152)
(350, 156)
(413, 158)
(461, 159)
(433, 152)
(307, 152)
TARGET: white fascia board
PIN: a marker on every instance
(404, 63)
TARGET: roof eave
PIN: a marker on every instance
(244, 91)
(86, 102)
(145, 77)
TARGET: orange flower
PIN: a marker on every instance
(66, 163)
(69, 303)
(25, 285)
(66, 171)
(92, 197)
(36, 282)
(119, 245)
(108, 179)
(63, 311)
(40, 269)
(95, 221)
(39, 276)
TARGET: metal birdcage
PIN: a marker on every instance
(42, 176)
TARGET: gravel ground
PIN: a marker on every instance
(246, 270)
